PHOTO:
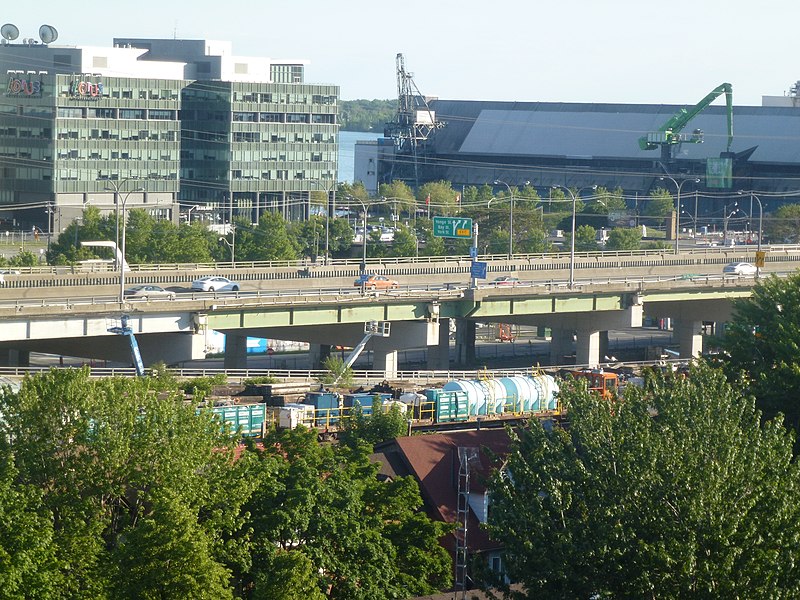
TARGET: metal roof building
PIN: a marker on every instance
(577, 144)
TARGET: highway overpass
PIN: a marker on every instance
(63, 312)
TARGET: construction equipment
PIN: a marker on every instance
(601, 382)
(371, 328)
(136, 355)
(669, 134)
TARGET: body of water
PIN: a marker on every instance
(347, 146)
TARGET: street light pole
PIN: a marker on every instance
(510, 216)
(121, 249)
(678, 212)
(231, 244)
(572, 237)
(327, 214)
(760, 228)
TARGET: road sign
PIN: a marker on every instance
(760, 258)
(452, 227)
(473, 252)
(477, 270)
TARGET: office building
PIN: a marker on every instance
(163, 125)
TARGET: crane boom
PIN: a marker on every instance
(670, 134)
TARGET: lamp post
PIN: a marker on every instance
(121, 248)
(572, 237)
(231, 244)
(678, 202)
(760, 228)
(363, 269)
(327, 213)
(510, 216)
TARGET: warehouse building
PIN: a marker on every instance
(578, 145)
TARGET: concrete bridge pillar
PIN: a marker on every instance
(604, 345)
(11, 357)
(317, 353)
(560, 345)
(235, 351)
(465, 341)
(587, 347)
(386, 361)
(439, 355)
(690, 337)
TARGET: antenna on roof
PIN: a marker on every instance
(9, 32)
(48, 34)
(175, 31)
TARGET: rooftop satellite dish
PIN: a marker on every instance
(9, 31)
(48, 34)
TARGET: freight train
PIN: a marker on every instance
(458, 403)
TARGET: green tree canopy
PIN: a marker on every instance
(783, 225)
(761, 341)
(659, 204)
(700, 500)
(624, 238)
(585, 239)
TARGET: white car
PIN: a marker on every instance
(740, 268)
(214, 283)
(148, 292)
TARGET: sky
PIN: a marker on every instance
(625, 51)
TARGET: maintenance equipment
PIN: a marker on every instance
(669, 134)
(124, 329)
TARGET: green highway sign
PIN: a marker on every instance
(452, 227)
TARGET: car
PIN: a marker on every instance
(214, 283)
(740, 268)
(376, 282)
(9, 272)
(506, 280)
(147, 292)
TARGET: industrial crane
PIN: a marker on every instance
(669, 134)
(414, 120)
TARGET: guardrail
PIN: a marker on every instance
(313, 376)
(372, 263)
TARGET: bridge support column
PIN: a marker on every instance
(235, 351)
(11, 357)
(587, 347)
(317, 353)
(439, 355)
(465, 341)
(385, 361)
(690, 337)
(560, 345)
(604, 344)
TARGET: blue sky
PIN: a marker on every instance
(628, 51)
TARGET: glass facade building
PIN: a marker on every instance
(74, 133)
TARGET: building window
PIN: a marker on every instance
(131, 113)
(296, 118)
(163, 115)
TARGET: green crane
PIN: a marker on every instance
(669, 134)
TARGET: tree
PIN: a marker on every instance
(371, 429)
(275, 242)
(761, 340)
(27, 558)
(112, 455)
(404, 243)
(585, 239)
(365, 538)
(659, 204)
(701, 500)
(624, 238)
(442, 197)
(783, 225)
(400, 195)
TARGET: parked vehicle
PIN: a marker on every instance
(214, 283)
(376, 282)
(146, 292)
(740, 268)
